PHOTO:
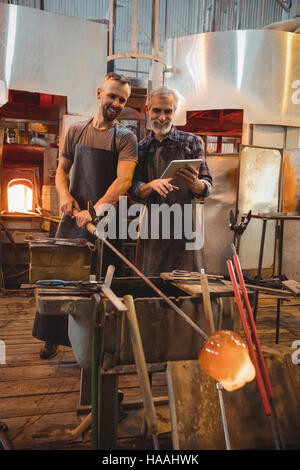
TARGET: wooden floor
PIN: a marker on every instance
(39, 400)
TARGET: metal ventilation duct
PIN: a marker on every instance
(50, 53)
(257, 71)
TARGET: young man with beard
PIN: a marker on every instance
(164, 144)
(102, 155)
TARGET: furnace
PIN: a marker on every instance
(29, 202)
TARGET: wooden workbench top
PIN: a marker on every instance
(218, 286)
(192, 285)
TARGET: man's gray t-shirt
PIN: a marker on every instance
(88, 135)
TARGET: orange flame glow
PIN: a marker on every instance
(19, 197)
(225, 357)
(290, 186)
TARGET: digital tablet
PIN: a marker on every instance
(175, 165)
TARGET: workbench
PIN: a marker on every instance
(164, 334)
(169, 345)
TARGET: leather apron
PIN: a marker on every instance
(92, 172)
(154, 256)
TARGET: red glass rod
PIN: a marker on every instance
(253, 326)
(259, 379)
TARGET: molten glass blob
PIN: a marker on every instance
(225, 357)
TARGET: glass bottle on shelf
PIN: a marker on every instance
(11, 137)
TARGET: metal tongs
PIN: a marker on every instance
(88, 285)
(239, 228)
(192, 277)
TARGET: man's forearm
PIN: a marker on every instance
(199, 188)
(118, 188)
(145, 190)
(62, 182)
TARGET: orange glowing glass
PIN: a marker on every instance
(225, 357)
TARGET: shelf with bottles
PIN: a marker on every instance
(17, 137)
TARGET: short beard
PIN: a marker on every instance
(158, 129)
(109, 117)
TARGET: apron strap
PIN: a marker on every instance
(83, 129)
(114, 139)
(114, 143)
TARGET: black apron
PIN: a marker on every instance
(92, 172)
(154, 256)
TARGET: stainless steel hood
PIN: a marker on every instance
(50, 53)
(254, 70)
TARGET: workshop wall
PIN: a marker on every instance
(177, 18)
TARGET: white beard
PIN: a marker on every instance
(161, 129)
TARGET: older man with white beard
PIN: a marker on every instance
(164, 144)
